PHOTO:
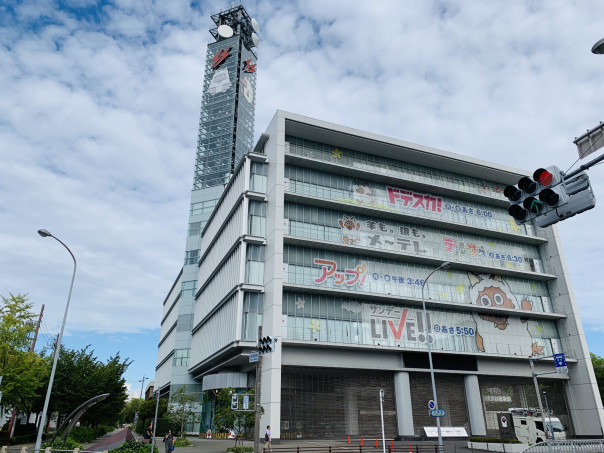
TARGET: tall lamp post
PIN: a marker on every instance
(444, 266)
(598, 48)
(44, 234)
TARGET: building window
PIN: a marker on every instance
(185, 323)
(192, 257)
(181, 357)
(257, 218)
(188, 288)
(254, 268)
(194, 228)
(252, 315)
(258, 177)
(203, 207)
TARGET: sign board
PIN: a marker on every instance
(253, 357)
(234, 401)
(431, 405)
(246, 402)
(560, 362)
(446, 431)
(135, 417)
(437, 413)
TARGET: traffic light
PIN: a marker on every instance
(548, 198)
(534, 196)
(267, 344)
(234, 401)
(579, 198)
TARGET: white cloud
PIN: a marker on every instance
(99, 114)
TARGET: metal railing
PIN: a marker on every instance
(572, 446)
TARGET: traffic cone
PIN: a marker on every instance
(410, 448)
(361, 441)
(376, 443)
(391, 445)
(349, 438)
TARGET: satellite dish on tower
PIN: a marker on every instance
(255, 25)
(255, 39)
(225, 31)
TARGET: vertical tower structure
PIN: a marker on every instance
(226, 133)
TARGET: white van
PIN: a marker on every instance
(526, 425)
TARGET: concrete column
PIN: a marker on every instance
(474, 402)
(351, 414)
(404, 412)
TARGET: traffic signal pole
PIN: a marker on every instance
(588, 165)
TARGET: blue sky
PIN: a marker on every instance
(99, 106)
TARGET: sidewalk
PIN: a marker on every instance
(202, 445)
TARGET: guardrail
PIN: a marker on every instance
(570, 446)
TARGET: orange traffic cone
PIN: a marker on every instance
(376, 443)
(410, 448)
(391, 445)
(361, 441)
(349, 438)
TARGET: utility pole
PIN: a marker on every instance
(11, 424)
(257, 398)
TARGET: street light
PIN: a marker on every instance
(44, 234)
(444, 266)
(598, 47)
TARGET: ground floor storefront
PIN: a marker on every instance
(323, 403)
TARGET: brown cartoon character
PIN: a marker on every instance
(492, 291)
(350, 230)
(364, 194)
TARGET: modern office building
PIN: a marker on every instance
(226, 133)
(324, 236)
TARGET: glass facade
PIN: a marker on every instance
(389, 198)
(330, 319)
(407, 238)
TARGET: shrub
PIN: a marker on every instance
(68, 444)
(134, 447)
(240, 449)
(494, 440)
(182, 442)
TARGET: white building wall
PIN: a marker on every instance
(234, 191)
(273, 275)
(228, 235)
(218, 287)
(166, 336)
(217, 331)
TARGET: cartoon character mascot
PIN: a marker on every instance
(492, 328)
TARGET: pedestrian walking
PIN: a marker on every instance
(169, 441)
(268, 439)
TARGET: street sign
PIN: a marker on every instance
(431, 405)
(253, 357)
(560, 362)
(234, 401)
(437, 413)
(246, 402)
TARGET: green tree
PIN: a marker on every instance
(226, 418)
(598, 364)
(81, 376)
(24, 373)
(182, 408)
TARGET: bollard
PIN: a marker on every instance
(23, 449)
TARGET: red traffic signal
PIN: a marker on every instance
(543, 177)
